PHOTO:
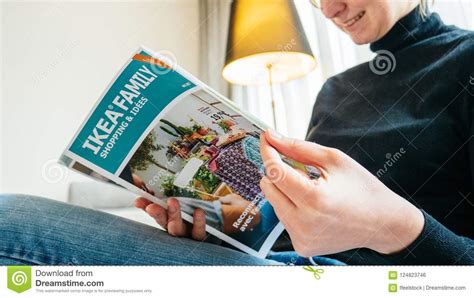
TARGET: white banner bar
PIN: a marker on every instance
(239, 282)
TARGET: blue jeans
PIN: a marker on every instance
(38, 231)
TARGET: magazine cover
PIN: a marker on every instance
(161, 133)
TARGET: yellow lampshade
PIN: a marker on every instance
(265, 33)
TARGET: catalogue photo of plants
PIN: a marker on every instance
(207, 156)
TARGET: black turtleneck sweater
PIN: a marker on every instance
(412, 127)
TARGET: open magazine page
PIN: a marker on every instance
(161, 133)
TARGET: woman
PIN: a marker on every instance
(409, 125)
(394, 149)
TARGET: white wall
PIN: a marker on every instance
(57, 59)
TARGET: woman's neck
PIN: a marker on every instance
(410, 29)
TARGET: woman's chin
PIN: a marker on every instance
(361, 37)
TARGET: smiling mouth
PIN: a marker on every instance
(354, 20)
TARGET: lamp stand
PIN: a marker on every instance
(270, 83)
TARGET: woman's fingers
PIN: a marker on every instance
(282, 205)
(308, 153)
(158, 213)
(176, 226)
(199, 225)
(170, 219)
(154, 210)
(289, 181)
(142, 203)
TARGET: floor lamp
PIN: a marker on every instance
(266, 45)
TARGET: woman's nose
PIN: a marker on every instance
(331, 8)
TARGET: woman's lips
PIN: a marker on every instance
(349, 23)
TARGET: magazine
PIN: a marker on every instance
(160, 132)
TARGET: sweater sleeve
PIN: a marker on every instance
(436, 245)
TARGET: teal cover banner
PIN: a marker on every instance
(140, 92)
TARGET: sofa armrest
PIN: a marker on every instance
(99, 195)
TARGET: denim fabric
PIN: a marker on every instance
(38, 231)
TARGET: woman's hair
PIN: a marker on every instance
(424, 7)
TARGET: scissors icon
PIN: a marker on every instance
(471, 80)
(316, 272)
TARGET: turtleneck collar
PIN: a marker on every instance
(410, 29)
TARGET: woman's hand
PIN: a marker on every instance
(170, 219)
(346, 208)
